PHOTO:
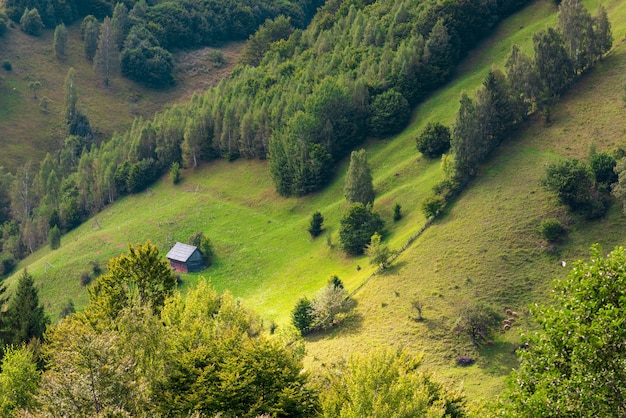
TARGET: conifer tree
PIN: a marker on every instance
(26, 317)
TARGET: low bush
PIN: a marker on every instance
(552, 230)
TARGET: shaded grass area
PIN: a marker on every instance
(484, 248)
(27, 132)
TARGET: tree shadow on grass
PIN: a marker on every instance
(351, 325)
(394, 268)
(499, 359)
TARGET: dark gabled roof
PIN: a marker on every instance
(181, 252)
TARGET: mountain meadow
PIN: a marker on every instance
(482, 250)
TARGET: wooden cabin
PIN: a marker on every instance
(185, 258)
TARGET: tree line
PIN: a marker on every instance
(503, 102)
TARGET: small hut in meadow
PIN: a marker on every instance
(185, 258)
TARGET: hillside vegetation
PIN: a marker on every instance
(484, 247)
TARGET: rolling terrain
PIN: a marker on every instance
(484, 247)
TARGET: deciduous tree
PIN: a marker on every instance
(359, 186)
(574, 365)
(106, 59)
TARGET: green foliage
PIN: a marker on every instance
(19, 380)
(220, 364)
(401, 389)
(619, 188)
(389, 114)
(3, 23)
(106, 60)
(302, 316)
(359, 186)
(141, 275)
(574, 365)
(316, 223)
(477, 321)
(552, 230)
(7, 263)
(432, 205)
(378, 253)
(31, 22)
(573, 183)
(26, 317)
(434, 140)
(146, 63)
(6, 64)
(92, 33)
(330, 306)
(68, 309)
(357, 227)
(54, 237)
(553, 64)
(259, 43)
(203, 243)
(603, 166)
(175, 175)
(60, 41)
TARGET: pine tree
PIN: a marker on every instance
(26, 317)
(359, 186)
(466, 142)
(92, 32)
(71, 96)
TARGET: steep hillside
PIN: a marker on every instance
(27, 131)
(485, 247)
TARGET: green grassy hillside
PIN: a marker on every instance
(27, 132)
(485, 246)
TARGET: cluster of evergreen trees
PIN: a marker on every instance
(560, 56)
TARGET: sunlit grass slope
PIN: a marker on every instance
(485, 247)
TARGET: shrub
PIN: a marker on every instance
(328, 305)
(551, 230)
(432, 205)
(175, 173)
(6, 64)
(302, 316)
(603, 166)
(315, 225)
(203, 243)
(217, 58)
(95, 268)
(434, 140)
(54, 237)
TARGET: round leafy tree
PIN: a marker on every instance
(434, 140)
(389, 114)
(357, 227)
(574, 366)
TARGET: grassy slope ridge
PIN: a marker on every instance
(109, 109)
(485, 247)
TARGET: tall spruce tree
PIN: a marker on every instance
(26, 317)
(466, 141)
(359, 186)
